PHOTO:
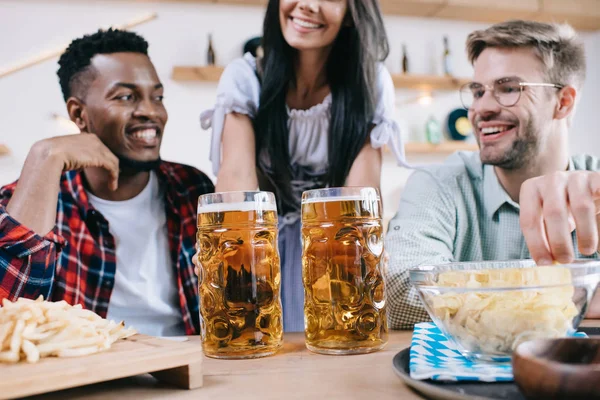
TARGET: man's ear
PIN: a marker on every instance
(78, 113)
(567, 97)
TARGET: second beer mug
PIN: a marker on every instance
(240, 306)
(344, 292)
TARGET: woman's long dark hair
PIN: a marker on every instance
(351, 74)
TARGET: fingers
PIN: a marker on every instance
(583, 209)
(196, 264)
(556, 216)
(107, 160)
(532, 223)
(594, 186)
(552, 206)
(113, 169)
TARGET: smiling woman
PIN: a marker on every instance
(315, 111)
(304, 30)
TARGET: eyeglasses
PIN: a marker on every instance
(506, 91)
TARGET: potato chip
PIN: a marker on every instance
(498, 321)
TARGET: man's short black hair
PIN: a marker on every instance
(75, 74)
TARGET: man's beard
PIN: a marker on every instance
(128, 166)
(524, 150)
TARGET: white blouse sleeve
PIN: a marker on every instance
(238, 92)
(386, 130)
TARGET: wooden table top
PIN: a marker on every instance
(293, 373)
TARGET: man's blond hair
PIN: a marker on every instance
(558, 47)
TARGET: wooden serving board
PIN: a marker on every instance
(176, 362)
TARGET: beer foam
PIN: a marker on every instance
(241, 206)
(341, 198)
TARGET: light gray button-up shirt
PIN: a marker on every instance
(456, 211)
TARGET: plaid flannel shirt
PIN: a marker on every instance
(76, 261)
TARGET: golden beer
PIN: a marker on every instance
(239, 279)
(344, 291)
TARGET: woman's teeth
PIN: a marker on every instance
(305, 24)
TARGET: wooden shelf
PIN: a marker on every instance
(412, 148)
(428, 82)
(4, 150)
(401, 81)
(192, 73)
(581, 14)
(490, 11)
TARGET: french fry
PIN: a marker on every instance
(33, 329)
(31, 352)
(26, 315)
(15, 342)
(5, 345)
(128, 333)
(9, 357)
(50, 326)
(37, 336)
(5, 330)
(49, 348)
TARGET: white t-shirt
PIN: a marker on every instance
(145, 294)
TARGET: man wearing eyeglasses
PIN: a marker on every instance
(494, 204)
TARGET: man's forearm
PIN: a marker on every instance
(34, 201)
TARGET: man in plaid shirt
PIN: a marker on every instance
(97, 218)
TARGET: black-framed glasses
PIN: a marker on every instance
(506, 91)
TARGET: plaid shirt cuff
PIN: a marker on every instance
(20, 241)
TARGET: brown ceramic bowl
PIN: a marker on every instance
(558, 368)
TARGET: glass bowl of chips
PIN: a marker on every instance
(486, 309)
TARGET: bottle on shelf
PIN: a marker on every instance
(210, 52)
(446, 58)
(404, 60)
(433, 131)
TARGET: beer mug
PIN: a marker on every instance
(342, 270)
(239, 278)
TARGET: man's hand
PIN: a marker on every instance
(81, 151)
(197, 264)
(34, 201)
(552, 206)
